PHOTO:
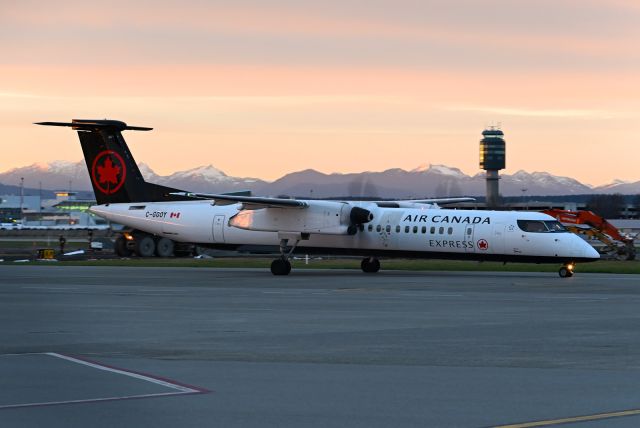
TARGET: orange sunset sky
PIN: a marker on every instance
(262, 88)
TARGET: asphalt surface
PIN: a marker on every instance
(316, 349)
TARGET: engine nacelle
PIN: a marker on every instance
(323, 217)
(360, 215)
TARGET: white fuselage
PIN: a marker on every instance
(422, 232)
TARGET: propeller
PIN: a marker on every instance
(362, 187)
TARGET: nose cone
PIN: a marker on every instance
(590, 252)
(582, 250)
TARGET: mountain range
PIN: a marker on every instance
(423, 181)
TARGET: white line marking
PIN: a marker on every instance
(19, 354)
(182, 389)
(89, 400)
(178, 389)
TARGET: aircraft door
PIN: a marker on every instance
(498, 238)
(468, 239)
(218, 228)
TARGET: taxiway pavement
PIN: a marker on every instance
(319, 348)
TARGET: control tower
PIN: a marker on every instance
(492, 160)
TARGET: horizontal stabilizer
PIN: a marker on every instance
(90, 124)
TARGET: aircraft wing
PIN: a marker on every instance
(248, 202)
(254, 202)
(411, 203)
(439, 201)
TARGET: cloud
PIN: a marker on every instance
(540, 113)
(493, 35)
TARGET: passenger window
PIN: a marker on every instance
(469, 231)
(378, 228)
(450, 231)
(370, 227)
(433, 230)
(388, 229)
(441, 230)
(406, 229)
(415, 229)
(397, 229)
(424, 229)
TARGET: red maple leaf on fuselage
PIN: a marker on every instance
(108, 172)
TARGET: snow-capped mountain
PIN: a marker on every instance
(56, 175)
(61, 175)
(541, 183)
(207, 179)
(620, 186)
(426, 180)
(439, 169)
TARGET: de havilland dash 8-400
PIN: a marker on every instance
(162, 215)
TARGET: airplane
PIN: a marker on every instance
(163, 215)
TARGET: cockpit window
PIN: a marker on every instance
(555, 226)
(539, 226)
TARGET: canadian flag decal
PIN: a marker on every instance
(174, 215)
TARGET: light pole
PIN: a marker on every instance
(21, 196)
(40, 201)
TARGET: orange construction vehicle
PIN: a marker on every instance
(588, 223)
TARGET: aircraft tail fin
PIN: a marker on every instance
(114, 174)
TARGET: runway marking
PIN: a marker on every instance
(427, 295)
(148, 378)
(177, 387)
(89, 400)
(573, 419)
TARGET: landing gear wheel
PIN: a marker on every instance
(145, 246)
(120, 247)
(280, 267)
(370, 265)
(565, 272)
(164, 247)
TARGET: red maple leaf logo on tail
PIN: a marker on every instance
(108, 172)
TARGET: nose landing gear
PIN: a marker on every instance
(566, 271)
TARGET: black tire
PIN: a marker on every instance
(120, 247)
(370, 265)
(565, 272)
(145, 246)
(164, 247)
(280, 267)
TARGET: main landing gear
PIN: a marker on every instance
(281, 265)
(566, 271)
(370, 265)
(143, 244)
